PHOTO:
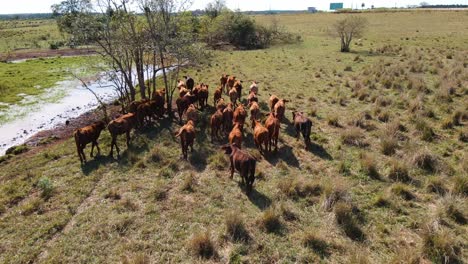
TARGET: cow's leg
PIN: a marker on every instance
(232, 169)
(112, 146)
(81, 152)
(128, 138)
(92, 149)
(98, 149)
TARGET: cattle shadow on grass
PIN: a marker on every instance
(284, 153)
(94, 163)
(318, 151)
(257, 198)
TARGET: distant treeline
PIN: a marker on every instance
(26, 16)
(444, 6)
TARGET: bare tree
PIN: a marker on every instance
(215, 8)
(349, 28)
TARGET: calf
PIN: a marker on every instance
(254, 87)
(88, 134)
(260, 136)
(243, 162)
(216, 123)
(228, 116)
(280, 108)
(217, 95)
(233, 96)
(239, 115)
(254, 111)
(192, 113)
(273, 100)
(203, 95)
(303, 125)
(183, 103)
(119, 126)
(236, 134)
(273, 125)
(187, 137)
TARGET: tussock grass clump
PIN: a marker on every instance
(436, 185)
(313, 111)
(426, 131)
(369, 166)
(113, 194)
(426, 160)
(332, 120)
(270, 221)
(287, 213)
(388, 144)
(188, 183)
(463, 135)
(298, 187)
(166, 172)
(384, 116)
(201, 245)
(155, 155)
(453, 211)
(346, 219)
(219, 161)
(333, 193)
(447, 123)
(460, 185)
(440, 246)
(31, 206)
(235, 227)
(140, 258)
(403, 191)
(313, 240)
(398, 171)
(46, 187)
(381, 201)
(353, 136)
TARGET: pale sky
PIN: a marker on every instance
(43, 6)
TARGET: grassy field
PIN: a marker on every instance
(28, 34)
(385, 180)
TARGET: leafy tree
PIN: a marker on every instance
(349, 28)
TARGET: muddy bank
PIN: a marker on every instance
(44, 53)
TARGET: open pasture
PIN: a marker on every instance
(384, 180)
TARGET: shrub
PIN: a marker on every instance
(235, 227)
(353, 136)
(270, 221)
(440, 246)
(346, 219)
(398, 171)
(45, 185)
(201, 245)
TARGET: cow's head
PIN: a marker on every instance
(227, 149)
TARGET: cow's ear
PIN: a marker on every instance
(241, 81)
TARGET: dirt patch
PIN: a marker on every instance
(44, 53)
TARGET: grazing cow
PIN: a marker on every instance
(252, 98)
(192, 113)
(88, 134)
(228, 115)
(236, 134)
(243, 162)
(216, 123)
(254, 87)
(183, 103)
(196, 91)
(203, 95)
(221, 104)
(119, 126)
(280, 108)
(254, 111)
(159, 101)
(187, 137)
(260, 136)
(233, 96)
(223, 80)
(230, 83)
(273, 125)
(189, 82)
(239, 115)
(238, 86)
(133, 106)
(273, 100)
(217, 95)
(303, 125)
(145, 111)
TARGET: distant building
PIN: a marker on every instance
(312, 9)
(336, 6)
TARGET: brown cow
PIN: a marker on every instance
(252, 97)
(217, 95)
(260, 136)
(145, 112)
(233, 96)
(159, 98)
(273, 125)
(216, 123)
(254, 87)
(183, 91)
(221, 104)
(192, 113)
(273, 100)
(303, 125)
(187, 137)
(203, 95)
(243, 162)
(239, 115)
(228, 115)
(280, 108)
(183, 103)
(119, 126)
(230, 83)
(236, 134)
(223, 81)
(88, 134)
(133, 106)
(254, 111)
(238, 86)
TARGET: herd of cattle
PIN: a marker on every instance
(228, 119)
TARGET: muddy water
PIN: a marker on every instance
(67, 100)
